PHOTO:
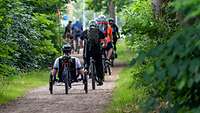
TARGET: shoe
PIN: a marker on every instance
(59, 83)
(100, 84)
(55, 80)
(108, 61)
(115, 55)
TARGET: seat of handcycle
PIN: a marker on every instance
(72, 68)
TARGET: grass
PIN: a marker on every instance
(128, 93)
(124, 54)
(18, 86)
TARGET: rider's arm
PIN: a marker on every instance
(54, 72)
(78, 66)
(117, 30)
(55, 67)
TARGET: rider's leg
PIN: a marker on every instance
(76, 43)
(54, 72)
(99, 69)
(109, 50)
(114, 44)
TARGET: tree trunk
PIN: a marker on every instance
(111, 7)
(157, 8)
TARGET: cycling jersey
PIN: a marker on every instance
(77, 63)
(109, 34)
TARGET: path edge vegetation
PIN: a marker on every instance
(129, 92)
(165, 39)
(17, 86)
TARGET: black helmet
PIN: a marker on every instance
(110, 20)
(66, 48)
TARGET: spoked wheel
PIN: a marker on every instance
(93, 75)
(85, 82)
(66, 85)
(109, 70)
(112, 62)
(51, 84)
(67, 80)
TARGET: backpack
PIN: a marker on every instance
(72, 67)
(93, 41)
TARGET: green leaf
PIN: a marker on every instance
(181, 83)
(173, 70)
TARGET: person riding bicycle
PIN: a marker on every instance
(75, 65)
(93, 39)
(115, 33)
(77, 30)
(68, 37)
(107, 30)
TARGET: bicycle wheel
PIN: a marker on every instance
(85, 81)
(93, 75)
(51, 84)
(112, 62)
(109, 70)
(66, 79)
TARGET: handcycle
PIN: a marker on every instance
(66, 75)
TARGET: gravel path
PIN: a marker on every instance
(40, 101)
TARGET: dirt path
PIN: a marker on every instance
(40, 101)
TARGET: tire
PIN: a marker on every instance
(93, 74)
(51, 84)
(112, 62)
(109, 70)
(85, 80)
(66, 79)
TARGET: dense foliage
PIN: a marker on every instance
(169, 48)
(29, 34)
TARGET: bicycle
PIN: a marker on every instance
(106, 64)
(92, 72)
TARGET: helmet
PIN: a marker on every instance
(110, 20)
(66, 48)
(102, 23)
(92, 24)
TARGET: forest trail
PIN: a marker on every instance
(40, 101)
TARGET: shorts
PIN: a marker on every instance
(109, 46)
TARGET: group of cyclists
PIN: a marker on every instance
(98, 42)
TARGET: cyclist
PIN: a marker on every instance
(115, 33)
(77, 30)
(107, 30)
(68, 37)
(76, 65)
(109, 37)
(93, 49)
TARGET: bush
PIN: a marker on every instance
(28, 35)
(169, 49)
